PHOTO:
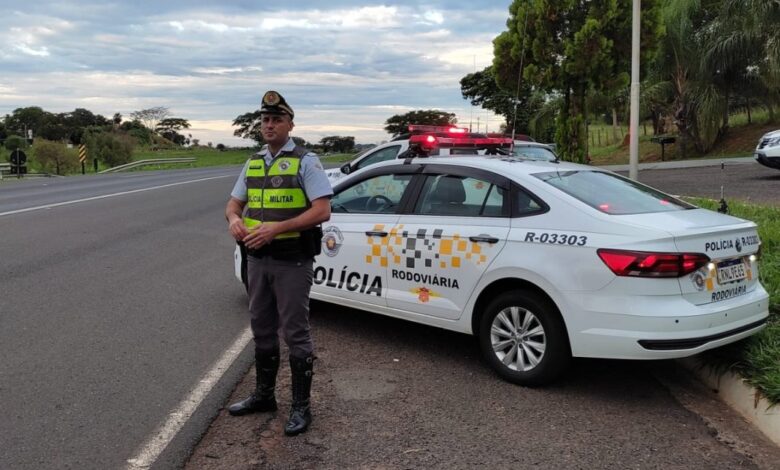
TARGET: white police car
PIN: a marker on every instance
(768, 150)
(447, 140)
(541, 261)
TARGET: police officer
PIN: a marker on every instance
(286, 195)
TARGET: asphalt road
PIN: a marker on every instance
(111, 311)
(113, 308)
(743, 180)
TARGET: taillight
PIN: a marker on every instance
(649, 264)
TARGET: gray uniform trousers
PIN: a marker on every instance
(279, 304)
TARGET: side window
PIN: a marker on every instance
(380, 194)
(525, 204)
(462, 196)
(388, 153)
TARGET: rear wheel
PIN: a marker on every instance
(523, 338)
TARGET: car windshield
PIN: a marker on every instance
(534, 153)
(611, 193)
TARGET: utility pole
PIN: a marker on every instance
(633, 158)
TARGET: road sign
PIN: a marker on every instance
(82, 153)
(18, 158)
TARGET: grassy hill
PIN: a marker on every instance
(740, 141)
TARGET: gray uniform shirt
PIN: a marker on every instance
(311, 175)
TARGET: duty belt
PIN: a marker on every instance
(279, 249)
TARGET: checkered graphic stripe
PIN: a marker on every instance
(423, 248)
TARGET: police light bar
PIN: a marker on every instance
(416, 129)
(428, 142)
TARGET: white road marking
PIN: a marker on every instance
(104, 196)
(153, 447)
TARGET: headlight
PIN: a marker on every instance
(772, 142)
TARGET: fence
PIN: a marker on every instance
(603, 136)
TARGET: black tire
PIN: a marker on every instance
(531, 325)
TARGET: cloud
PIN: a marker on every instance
(348, 65)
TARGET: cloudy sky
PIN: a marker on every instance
(345, 66)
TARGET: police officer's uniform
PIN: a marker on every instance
(276, 188)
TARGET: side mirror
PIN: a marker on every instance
(346, 169)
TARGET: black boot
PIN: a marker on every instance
(263, 398)
(300, 412)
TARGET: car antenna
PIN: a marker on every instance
(519, 76)
(724, 207)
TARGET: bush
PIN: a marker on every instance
(142, 136)
(54, 157)
(13, 142)
(111, 149)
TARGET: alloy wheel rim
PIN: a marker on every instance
(518, 338)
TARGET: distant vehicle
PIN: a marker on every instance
(540, 260)
(768, 150)
(445, 140)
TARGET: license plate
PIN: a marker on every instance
(731, 271)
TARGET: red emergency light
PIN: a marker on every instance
(416, 129)
(428, 142)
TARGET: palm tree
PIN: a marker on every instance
(747, 42)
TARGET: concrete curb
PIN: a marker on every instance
(670, 165)
(740, 396)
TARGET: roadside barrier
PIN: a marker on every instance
(151, 161)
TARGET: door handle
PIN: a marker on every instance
(371, 233)
(484, 239)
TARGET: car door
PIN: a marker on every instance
(352, 269)
(459, 223)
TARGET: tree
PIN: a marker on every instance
(76, 121)
(22, 120)
(137, 130)
(168, 128)
(54, 157)
(481, 88)
(338, 144)
(117, 119)
(570, 47)
(112, 149)
(698, 101)
(13, 142)
(399, 123)
(249, 126)
(745, 50)
(221, 147)
(151, 116)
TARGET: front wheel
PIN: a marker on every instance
(523, 338)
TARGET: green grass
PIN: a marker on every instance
(212, 157)
(757, 358)
(739, 141)
(204, 156)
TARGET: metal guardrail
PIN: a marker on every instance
(150, 161)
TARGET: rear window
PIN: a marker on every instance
(612, 194)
